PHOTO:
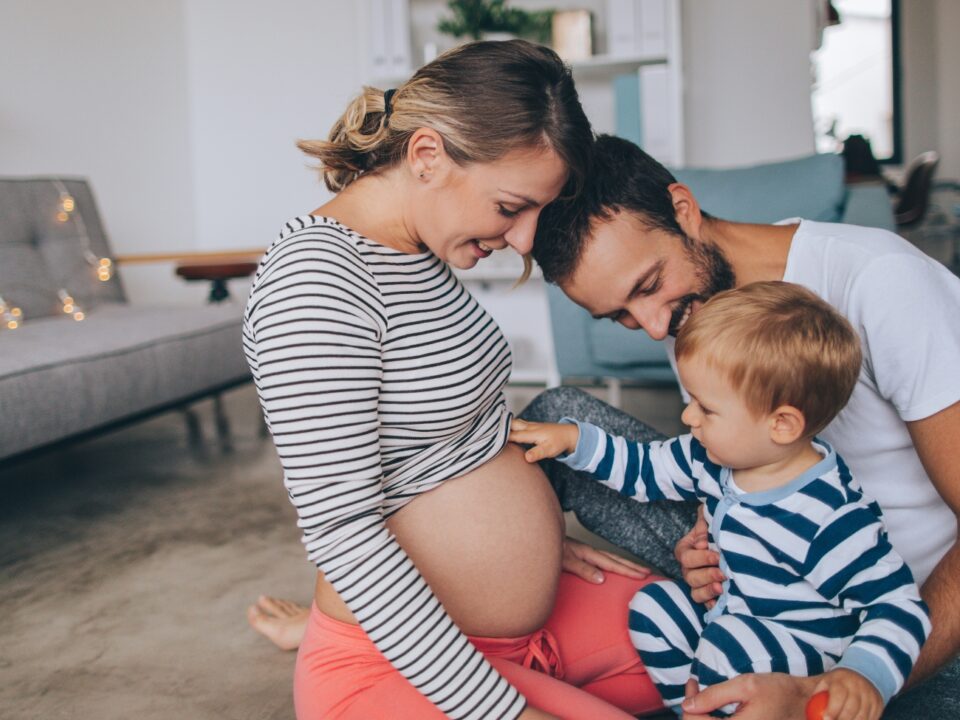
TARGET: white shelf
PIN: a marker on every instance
(531, 376)
(607, 65)
(595, 67)
(495, 274)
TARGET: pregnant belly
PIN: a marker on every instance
(488, 543)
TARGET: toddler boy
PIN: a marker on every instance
(813, 582)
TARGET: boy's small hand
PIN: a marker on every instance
(852, 696)
(548, 439)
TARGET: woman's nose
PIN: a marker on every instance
(520, 235)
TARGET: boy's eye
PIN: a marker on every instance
(505, 212)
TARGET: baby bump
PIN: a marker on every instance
(488, 543)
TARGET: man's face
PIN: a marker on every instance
(645, 277)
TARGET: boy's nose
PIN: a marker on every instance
(689, 416)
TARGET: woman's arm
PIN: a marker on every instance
(313, 332)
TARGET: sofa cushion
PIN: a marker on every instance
(25, 281)
(59, 377)
(52, 250)
(810, 187)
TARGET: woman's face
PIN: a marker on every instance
(463, 214)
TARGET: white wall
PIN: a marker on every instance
(99, 89)
(747, 81)
(948, 86)
(262, 76)
(920, 74)
(182, 113)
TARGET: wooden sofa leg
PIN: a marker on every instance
(223, 424)
(194, 429)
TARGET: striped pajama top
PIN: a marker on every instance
(380, 377)
(811, 555)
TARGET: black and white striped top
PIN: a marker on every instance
(380, 377)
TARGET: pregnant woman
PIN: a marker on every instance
(439, 549)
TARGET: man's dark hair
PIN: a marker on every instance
(621, 177)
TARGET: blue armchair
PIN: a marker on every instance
(810, 187)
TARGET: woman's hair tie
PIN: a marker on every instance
(387, 102)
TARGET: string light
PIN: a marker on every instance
(70, 306)
(12, 316)
(65, 212)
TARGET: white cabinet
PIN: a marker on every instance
(389, 50)
(638, 43)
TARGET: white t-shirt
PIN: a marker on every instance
(906, 308)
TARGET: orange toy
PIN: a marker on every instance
(817, 705)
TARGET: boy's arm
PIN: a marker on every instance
(851, 562)
(641, 471)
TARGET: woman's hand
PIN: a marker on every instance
(699, 564)
(761, 697)
(548, 439)
(587, 562)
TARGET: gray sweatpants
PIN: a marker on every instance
(651, 530)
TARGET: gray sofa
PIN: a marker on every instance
(61, 379)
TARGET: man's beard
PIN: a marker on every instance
(714, 273)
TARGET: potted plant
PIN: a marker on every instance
(492, 19)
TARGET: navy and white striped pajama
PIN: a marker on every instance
(812, 580)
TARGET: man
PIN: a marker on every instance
(636, 248)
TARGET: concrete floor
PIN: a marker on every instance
(127, 563)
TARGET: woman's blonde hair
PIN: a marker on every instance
(777, 344)
(484, 99)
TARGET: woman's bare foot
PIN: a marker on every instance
(281, 621)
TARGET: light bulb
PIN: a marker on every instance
(62, 217)
(105, 262)
(78, 316)
(68, 308)
(12, 324)
(68, 203)
(16, 312)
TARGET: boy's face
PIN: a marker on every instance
(732, 434)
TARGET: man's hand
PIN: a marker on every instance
(852, 696)
(699, 564)
(548, 439)
(766, 696)
(587, 562)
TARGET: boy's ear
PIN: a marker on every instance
(786, 425)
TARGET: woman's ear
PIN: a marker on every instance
(786, 425)
(426, 156)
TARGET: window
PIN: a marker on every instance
(856, 86)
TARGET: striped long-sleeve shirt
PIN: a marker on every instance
(380, 377)
(811, 555)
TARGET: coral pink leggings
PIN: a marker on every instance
(580, 665)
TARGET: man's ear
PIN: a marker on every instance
(687, 209)
(426, 156)
(786, 425)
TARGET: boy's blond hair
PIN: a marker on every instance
(778, 344)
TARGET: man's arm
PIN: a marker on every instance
(935, 439)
